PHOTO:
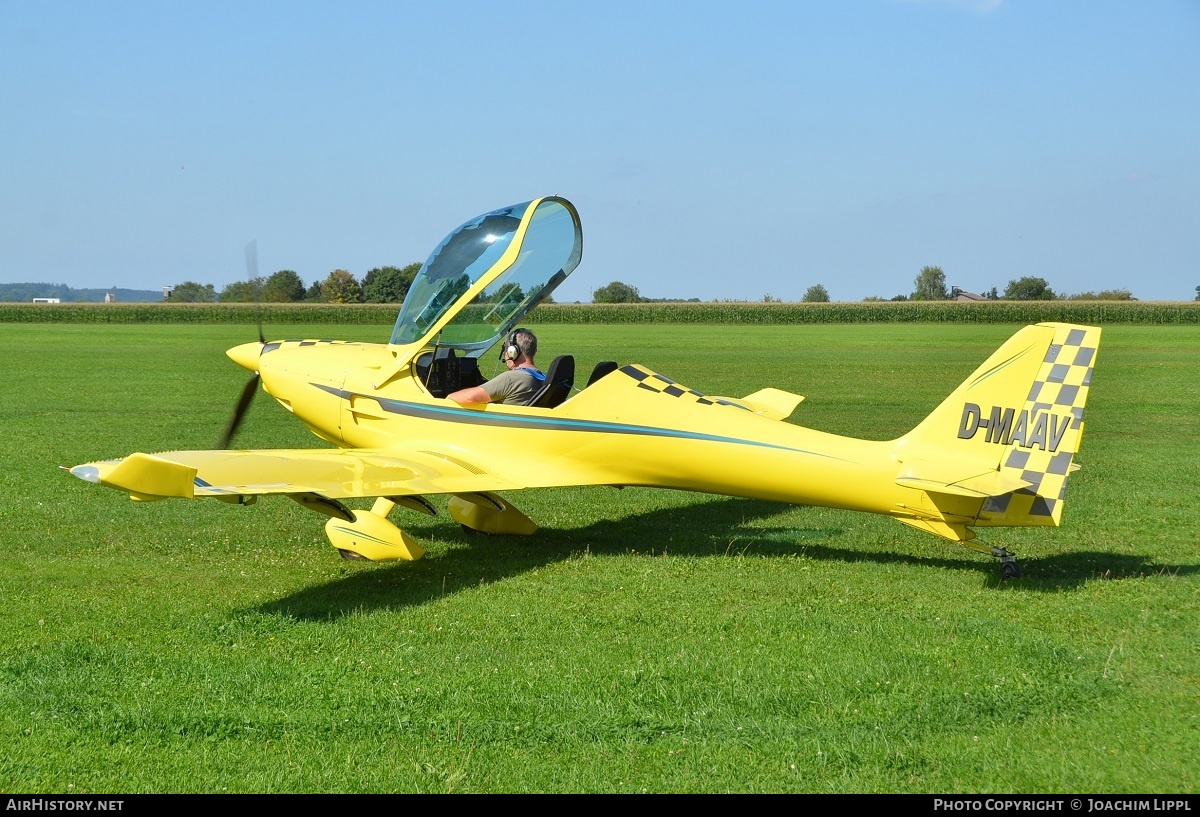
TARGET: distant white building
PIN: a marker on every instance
(47, 300)
(110, 297)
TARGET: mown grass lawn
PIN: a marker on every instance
(642, 641)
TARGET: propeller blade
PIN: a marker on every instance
(251, 387)
(240, 411)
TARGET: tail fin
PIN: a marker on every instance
(1009, 433)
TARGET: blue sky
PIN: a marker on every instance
(714, 149)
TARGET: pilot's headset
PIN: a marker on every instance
(510, 350)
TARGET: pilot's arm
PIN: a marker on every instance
(470, 395)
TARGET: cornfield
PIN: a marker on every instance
(1084, 312)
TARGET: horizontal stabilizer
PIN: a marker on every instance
(956, 479)
(993, 483)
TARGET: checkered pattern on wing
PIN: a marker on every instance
(655, 382)
(1060, 391)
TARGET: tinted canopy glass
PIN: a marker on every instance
(486, 275)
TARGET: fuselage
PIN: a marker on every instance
(632, 427)
(995, 452)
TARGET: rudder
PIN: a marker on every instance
(1047, 432)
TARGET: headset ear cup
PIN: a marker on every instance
(510, 344)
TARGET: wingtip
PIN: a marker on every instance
(87, 472)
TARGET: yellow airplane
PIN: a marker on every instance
(997, 452)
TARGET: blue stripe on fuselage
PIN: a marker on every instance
(497, 420)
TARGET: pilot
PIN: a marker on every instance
(515, 386)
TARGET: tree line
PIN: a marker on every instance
(26, 292)
(929, 285)
(380, 285)
(390, 285)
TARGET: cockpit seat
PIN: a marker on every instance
(559, 379)
(603, 368)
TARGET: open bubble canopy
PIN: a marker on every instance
(486, 275)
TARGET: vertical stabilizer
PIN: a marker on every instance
(1009, 433)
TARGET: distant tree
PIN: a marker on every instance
(770, 299)
(992, 294)
(1198, 293)
(617, 293)
(282, 287)
(872, 299)
(189, 292)
(816, 294)
(898, 298)
(1103, 295)
(1029, 289)
(388, 285)
(27, 292)
(930, 285)
(340, 287)
(242, 292)
(510, 293)
(313, 293)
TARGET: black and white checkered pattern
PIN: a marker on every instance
(1061, 388)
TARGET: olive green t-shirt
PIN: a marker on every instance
(514, 387)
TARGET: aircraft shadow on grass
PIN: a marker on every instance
(708, 529)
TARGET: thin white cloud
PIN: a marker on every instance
(1137, 177)
(976, 6)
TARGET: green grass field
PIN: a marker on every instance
(643, 640)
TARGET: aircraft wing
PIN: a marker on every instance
(333, 473)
